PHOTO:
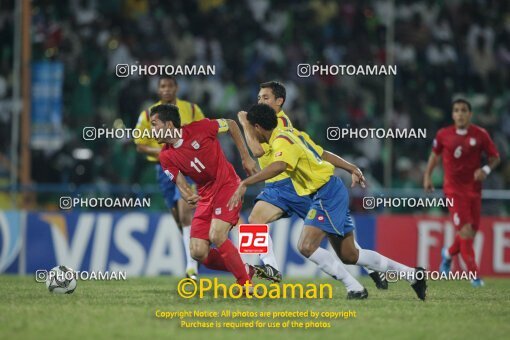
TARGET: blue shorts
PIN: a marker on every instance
(283, 195)
(168, 188)
(330, 209)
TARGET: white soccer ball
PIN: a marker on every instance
(61, 280)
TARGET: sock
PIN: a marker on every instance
(191, 264)
(368, 270)
(377, 262)
(215, 261)
(335, 268)
(269, 258)
(455, 247)
(233, 262)
(468, 254)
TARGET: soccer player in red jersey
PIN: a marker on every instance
(198, 154)
(461, 145)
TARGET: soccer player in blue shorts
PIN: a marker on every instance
(182, 212)
(329, 213)
(275, 202)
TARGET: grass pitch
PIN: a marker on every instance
(126, 309)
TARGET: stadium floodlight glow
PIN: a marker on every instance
(82, 154)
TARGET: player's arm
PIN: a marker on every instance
(186, 191)
(249, 164)
(176, 176)
(492, 156)
(254, 145)
(143, 144)
(437, 149)
(427, 178)
(285, 158)
(494, 162)
(339, 162)
(482, 173)
(272, 170)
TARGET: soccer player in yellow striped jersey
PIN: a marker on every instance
(190, 112)
(279, 198)
(328, 214)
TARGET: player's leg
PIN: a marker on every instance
(200, 245)
(466, 217)
(375, 261)
(309, 246)
(264, 213)
(199, 249)
(185, 213)
(467, 235)
(210, 257)
(467, 253)
(378, 277)
(218, 235)
(175, 214)
(328, 213)
(171, 197)
(447, 253)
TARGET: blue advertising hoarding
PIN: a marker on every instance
(141, 244)
(47, 87)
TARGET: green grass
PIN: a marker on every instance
(126, 309)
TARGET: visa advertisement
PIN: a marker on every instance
(143, 244)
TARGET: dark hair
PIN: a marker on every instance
(277, 88)
(462, 101)
(167, 112)
(167, 77)
(263, 115)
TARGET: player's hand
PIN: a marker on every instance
(250, 166)
(237, 196)
(193, 200)
(480, 175)
(427, 184)
(358, 178)
(242, 116)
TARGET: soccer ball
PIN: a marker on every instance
(61, 280)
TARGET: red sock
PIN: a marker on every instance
(233, 262)
(215, 261)
(468, 254)
(455, 247)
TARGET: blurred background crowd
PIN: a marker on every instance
(442, 49)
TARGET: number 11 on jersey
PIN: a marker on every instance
(196, 164)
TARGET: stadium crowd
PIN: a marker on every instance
(442, 50)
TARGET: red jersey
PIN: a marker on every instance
(462, 155)
(199, 156)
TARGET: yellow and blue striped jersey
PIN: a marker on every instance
(305, 167)
(284, 123)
